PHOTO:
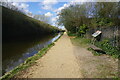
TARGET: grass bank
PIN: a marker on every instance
(28, 62)
(80, 41)
(18, 25)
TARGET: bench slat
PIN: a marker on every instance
(95, 48)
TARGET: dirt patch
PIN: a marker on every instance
(72, 36)
(92, 66)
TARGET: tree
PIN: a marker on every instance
(74, 16)
(42, 18)
(93, 15)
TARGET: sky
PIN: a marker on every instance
(48, 8)
(45, 7)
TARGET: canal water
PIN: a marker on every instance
(16, 52)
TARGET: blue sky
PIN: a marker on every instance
(50, 9)
(36, 7)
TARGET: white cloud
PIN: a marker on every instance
(78, 1)
(60, 8)
(20, 0)
(15, 4)
(68, 4)
(64, 6)
(48, 14)
(60, 0)
(48, 4)
(21, 6)
(24, 6)
(54, 19)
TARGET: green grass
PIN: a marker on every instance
(80, 41)
(71, 34)
(104, 45)
(27, 63)
(94, 52)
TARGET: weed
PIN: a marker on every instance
(108, 48)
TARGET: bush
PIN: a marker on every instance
(71, 34)
(108, 48)
(82, 30)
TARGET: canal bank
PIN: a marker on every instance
(58, 62)
(31, 60)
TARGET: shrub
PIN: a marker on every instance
(82, 30)
(108, 48)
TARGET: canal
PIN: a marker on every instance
(16, 52)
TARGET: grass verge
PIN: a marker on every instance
(79, 41)
(28, 62)
(104, 45)
(71, 34)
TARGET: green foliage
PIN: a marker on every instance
(94, 15)
(73, 16)
(108, 48)
(94, 52)
(101, 22)
(71, 34)
(82, 30)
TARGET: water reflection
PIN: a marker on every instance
(15, 53)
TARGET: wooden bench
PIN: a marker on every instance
(96, 49)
